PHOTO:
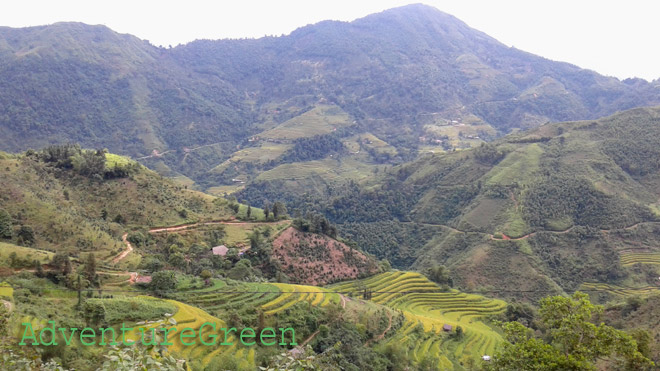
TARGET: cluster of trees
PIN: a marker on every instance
(488, 154)
(315, 223)
(88, 163)
(75, 278)
(314, 148)
(275, 212)
(636, 148)
(440, 275)
(569, 340)
(559, 196)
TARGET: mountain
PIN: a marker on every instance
(543, 210)
(402, 78)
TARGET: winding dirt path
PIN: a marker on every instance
(343, 301)
(310, 338)
(123, 254)
(505, 237)
(381, 336)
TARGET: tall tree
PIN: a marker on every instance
(90, 268)
(278, 209)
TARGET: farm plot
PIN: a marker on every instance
(271, 298)
(631, 258)
(425, 304)
(619, 291)
(199, 355)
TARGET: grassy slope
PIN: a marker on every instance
(65, 210)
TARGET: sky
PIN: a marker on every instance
(614, 38)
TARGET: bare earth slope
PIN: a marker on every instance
(318, 259)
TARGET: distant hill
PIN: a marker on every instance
(407, 79)
(546, 209)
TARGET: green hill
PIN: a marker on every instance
(77, 201)
(546, 209)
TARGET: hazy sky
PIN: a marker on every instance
(616, 38)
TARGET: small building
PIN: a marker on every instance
(143, 279)
(446, 328)
(220, 250)
(485, 358)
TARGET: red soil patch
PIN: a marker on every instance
(318, 259)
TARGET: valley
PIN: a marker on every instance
(397, 192)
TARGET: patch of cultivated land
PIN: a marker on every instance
(318, 259)
(322, 119)
(424, 304)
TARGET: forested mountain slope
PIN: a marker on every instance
(546, 209)
(400, 78)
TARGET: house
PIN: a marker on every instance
(220, 250)
(446, 328)
(143, 279)
(485, 358)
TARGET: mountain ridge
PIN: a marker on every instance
(399, 75)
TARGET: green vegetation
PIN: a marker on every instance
(378, 145)
(119, 309)
(183, 123)
(573, 341)
(548, 209)
(53, 202)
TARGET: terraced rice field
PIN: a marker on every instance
(630, 258)
(619, 290)
(423, 303)
(198, 354)
(271, 298)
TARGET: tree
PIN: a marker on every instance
(278, 209)
(6, 230)
(119, 219)
(206, 276)
(266, 211)
(90, 268)
(241, 271)
(59, 260)
(177, 260)
(162, 281)
(67, 269)
(573, 342)
(459, 333)
(249, 211)
(26, 235)
(38, 269)
(256, 241)
(440, 275)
